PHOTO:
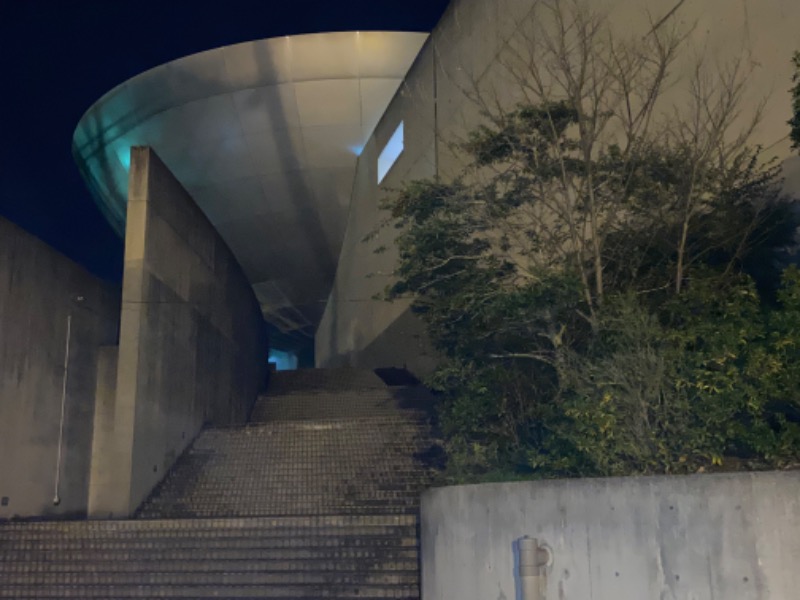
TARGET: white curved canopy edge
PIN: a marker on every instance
(265, 135)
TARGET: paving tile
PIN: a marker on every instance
(317, 497)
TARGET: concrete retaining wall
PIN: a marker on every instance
(193, 345)
(465, 60)
(700, 537)
(39, 290)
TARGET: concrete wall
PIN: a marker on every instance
(700, 537)
(464, 66)
(193, 345)
(39, 290)
(103, 459)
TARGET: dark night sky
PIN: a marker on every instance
(58, 56)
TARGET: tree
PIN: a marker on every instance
(795, 91)
(558, 273)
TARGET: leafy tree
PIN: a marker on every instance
(586, 277)
(795, 91)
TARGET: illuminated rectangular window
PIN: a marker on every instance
(391, 152)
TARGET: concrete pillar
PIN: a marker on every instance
(105, 447)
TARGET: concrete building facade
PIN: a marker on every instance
(54, 317)
(281, 142)
(471, 63)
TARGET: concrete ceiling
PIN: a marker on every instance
(265, 135)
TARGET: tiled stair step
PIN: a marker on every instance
(319, 437)
(258, 507)
(207, 524)
(379, 489)
(308, 503)
(157, 553)
(220, 541)
(276, 498)
(252, 527)
(333, 578)
(303, 380)
(282, 592)
(181, 510)
(394, 550)
(103, 564)
(283, 467)
(345, 486)
(328, 406)
(199, 510)
(341, 541)
(297, 468)
(383, 479)
(409, 418)
(409, 424)
(386, 557)
(319, 497)
(258, 533)
(333, 482)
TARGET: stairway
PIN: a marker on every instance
(316, 497)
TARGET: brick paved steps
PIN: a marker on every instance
(300, 557)
(134, 543)
(231, 591)
(397, 553)
(316, 406)
(363, 465)
(263, 526)
(316, 498)
(206, 578)
(302, 381)
(229, 540)
(145, 564)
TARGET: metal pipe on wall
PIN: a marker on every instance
(533, 560)
(56, 497)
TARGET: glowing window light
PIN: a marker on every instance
(284, 361)
(124, 156)
(391, 152)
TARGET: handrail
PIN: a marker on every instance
(56, 497)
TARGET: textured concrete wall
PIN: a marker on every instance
(698, 537)
(357, 329)
(462, 68)
(192, 346)
(105, 454)
(39, 290)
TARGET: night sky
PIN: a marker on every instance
(57, 57)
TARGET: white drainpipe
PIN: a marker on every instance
(56, 497)
(533, 561)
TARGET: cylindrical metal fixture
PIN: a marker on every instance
(533, 559)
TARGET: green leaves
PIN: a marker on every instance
(608, 312)
(794, 122)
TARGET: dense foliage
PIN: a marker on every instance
(607, 304)
(794, 123)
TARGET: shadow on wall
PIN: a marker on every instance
(104, 176)
(54, 316)
(403, 340)
(790, 171)
(192, 343)
(304, 203)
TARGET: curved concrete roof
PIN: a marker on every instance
(265, 135)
